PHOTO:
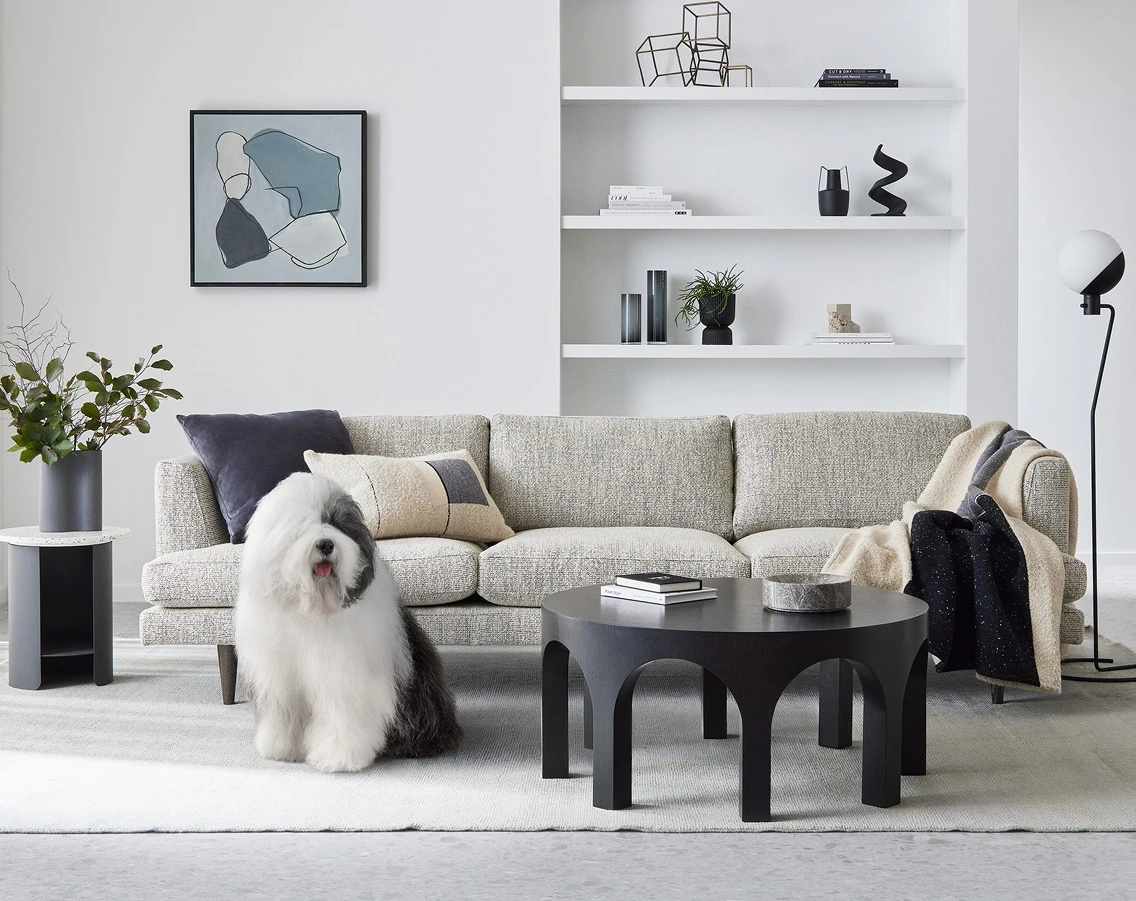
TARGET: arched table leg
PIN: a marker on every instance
(754, 788)
(611, 735)
(835, 725)
(883, 738)
(554, 711)
(914, 761)
(713, 706)
(588, 740)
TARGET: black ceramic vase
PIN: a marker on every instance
(71, 493)
(717, 319)
(833, 197)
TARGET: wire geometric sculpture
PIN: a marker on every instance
(674, 50)
(708, 24)
(710, 66)
(731, 69)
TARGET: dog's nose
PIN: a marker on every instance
(325, 546)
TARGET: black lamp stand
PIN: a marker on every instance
(1092, 307)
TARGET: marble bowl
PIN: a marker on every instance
(806, 593)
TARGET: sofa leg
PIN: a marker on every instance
(227, 664)
(997, 694)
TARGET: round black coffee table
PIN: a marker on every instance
(753, 652)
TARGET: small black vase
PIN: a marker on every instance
(833, 198)
(717, 319)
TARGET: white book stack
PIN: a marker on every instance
(852, 338)
(642, 200)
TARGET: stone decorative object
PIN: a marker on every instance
(896, 206)
(840, 319)
(806, 593)
(665, 56)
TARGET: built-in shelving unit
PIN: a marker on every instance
(763, 352)
(747, 161)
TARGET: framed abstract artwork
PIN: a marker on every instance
(278, 198)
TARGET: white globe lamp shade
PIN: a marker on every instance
(1091, 263)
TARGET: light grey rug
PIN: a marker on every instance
(156, 751)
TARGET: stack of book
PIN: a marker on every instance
(658, 588)
(852, 338)
(642, 200)
(857, 78)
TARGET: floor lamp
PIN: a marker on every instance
(1091, 263)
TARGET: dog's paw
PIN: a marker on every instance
(273, 745)
(330, 757)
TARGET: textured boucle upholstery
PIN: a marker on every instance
(780, 551)
(610, 471)
(1046, 493)
(427, 571)
(185, 509)
(521, 570)
(416, 436)
(846, 470)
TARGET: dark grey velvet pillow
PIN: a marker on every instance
(247, 454)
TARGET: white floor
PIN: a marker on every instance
(413, 865)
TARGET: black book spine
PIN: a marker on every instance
(828, 72)
(889, 83)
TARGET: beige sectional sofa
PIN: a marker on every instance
(591, 497)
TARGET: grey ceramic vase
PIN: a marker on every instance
(71, 493)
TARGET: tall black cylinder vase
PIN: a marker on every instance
(656, 306)
(71, 493)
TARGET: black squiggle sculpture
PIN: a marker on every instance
(896, 206)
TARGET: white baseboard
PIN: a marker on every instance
(1108, 558)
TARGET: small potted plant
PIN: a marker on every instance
(65, 420)
(711, 300)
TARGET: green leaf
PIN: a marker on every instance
(143, 426)
(27, 371)
(152, 402)
(164, 365)
(63, 448)
(28, 454)
(54, 369)
(122, 381)
(171, 393)
(90, 410)
(94, 356)
(155, 349)
(49, 455)
(101, 398)
(149, 384)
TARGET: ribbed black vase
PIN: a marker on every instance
(71, 493)
(656, 306)
(717, 318)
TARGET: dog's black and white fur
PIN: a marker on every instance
(339, 671)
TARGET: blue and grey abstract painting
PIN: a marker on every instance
(278, 198)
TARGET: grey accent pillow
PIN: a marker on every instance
(248, 454)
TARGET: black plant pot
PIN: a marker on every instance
(717, 319)
(71, 493)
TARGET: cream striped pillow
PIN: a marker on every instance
(439, 496)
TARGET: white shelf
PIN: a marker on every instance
(770, 223)
(763, 352)
(767, 96)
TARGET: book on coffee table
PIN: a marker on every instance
(657, 597)
(659, 582)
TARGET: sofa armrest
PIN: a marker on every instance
(1048, 504)
(185, 509)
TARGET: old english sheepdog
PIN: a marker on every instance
(338, 670)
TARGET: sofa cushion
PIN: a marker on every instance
(417, 436)
(441, 495)
(248, 454)
(848, 470)
(608, 471)
(427, 571)
(522, 570)
(789, 550)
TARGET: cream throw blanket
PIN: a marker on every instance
(880, 556)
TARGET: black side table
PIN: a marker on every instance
(59, 605)
(754, 653)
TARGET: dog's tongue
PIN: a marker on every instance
(323, 570)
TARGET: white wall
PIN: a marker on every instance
(1078, 128)
(461, 312)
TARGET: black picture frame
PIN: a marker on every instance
(269, 246)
